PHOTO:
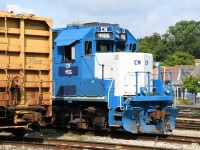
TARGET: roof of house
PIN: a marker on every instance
(178, 73)
(196, 71)
(197, 60)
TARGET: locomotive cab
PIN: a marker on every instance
(100, 80)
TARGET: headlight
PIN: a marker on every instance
(167, 91)
(143, 91)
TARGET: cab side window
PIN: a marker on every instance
(88, 47)
(132, 47)
(120, 47)
(68, 53)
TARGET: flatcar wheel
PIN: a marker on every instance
(35, 127)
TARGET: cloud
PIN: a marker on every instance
(185, 5)
(142, 17)
(106, 7)
(19, 9)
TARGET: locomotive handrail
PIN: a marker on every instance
(148, 85)
(149, 73)
(108, 104)
(140, 72)
(170, 79)
(97, 62)
(101, 64)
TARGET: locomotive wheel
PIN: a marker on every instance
(60, 118)
(58, 122)
(19, 132)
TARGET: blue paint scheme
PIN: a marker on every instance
(130, 120)
(83, 88)
(66, 90)
(80, 84)
(68, 36)
(72, 71)
(152, 98)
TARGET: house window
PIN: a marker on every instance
(88, 47)
(68, 53)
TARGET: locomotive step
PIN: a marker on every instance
(117, 114)
(115, 125)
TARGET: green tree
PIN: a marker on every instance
(192, 84)
(184, 36)
(179, 58)
(153, 44)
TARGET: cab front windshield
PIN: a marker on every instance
(108, 46)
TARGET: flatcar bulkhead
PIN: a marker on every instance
(25, 71)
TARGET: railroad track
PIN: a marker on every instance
(188, 115)
(104, 145)
(60, 144)
(187, 126)
(187, 119)
(75, 144)
(188, 107)
(189, 111)
(54, 144)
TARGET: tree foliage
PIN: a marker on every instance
(179, 58)
(183, 37)
(192, 84)
(154, 45)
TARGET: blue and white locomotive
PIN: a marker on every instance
(101, 81)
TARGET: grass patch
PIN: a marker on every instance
(80, 138)
(70, 133)
(51, 132)
(185, 102)
(196, 112)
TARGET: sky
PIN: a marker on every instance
(141, 17)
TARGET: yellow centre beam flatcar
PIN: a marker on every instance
(25, 66)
